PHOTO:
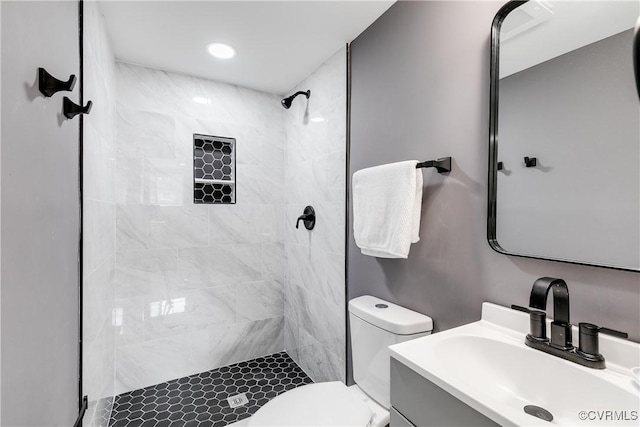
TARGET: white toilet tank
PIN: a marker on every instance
(376, 324)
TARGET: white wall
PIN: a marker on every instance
(99, 219)
(315, 260)
(40, 217)
(568, 26)
(198, 286)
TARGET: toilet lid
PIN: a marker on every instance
(321, 404)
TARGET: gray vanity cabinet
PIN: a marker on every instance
(398, 420)
(417, 401)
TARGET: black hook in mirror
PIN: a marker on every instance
(500, 166)
(70, 109)
(530, 162)
(48, 85)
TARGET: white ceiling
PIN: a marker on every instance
(278, 43)
(571, 24)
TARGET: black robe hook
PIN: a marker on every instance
(48, 85)
(70, 109)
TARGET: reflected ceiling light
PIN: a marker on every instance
(221, 50)
(317, 119)
(201, 100)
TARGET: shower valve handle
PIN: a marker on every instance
(308, 218)
(302, 218)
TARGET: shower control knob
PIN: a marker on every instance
(308, 218)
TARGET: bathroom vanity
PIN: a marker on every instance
(483, 374)
(416, 401)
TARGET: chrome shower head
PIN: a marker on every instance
(286, 102)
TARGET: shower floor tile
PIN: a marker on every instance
(201, 399)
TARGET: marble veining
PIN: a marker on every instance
(260, 184)
(260, 300)
(319, 363)
(98, 299)
(191, 311)
(219, 265)
(99, 160)
(272, 256)
(245, 223)
(317, 317)
(145, 134)
(319, 272)
(197, 286)
(186, 354)
(146, 89)
(315, 174)
(140, 273)
(98, 239)
(128, 320)
(200, 286)
(153, 227)
(153, 181)
(98, 180)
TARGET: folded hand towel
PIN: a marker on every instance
(387, 202)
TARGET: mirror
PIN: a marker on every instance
(564, 163)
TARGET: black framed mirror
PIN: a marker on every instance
(564, 143)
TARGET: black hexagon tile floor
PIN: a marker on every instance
(201, 399)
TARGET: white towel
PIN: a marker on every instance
(387, 202)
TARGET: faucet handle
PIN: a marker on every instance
(520, 308)
(537, 322)
(588, 334)
(614, 333)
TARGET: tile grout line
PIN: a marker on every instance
(191, 399)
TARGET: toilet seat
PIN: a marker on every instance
(320, 404)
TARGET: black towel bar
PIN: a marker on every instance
(443, 165)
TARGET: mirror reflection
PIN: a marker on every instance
(568, 134)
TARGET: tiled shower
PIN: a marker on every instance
(174, 288)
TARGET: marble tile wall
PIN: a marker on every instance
(98, 219)
(196, 286)
(315, 260)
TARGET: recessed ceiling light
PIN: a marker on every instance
(317, 119)
(201, 100)
(221, 50)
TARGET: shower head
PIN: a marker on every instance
(286, 102)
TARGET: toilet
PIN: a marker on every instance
(375, 324)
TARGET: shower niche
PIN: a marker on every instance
(214, 164)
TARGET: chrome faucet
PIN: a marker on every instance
(587, 354)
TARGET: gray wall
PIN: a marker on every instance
(40, 217)
(420, 90)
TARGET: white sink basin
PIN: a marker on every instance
(487, 365)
